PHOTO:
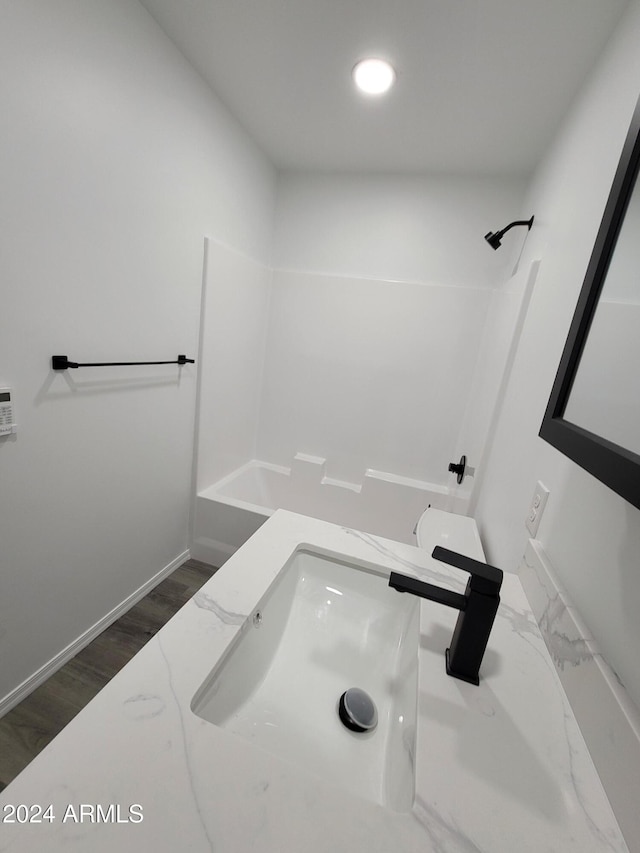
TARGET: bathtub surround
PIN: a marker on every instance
(231, 510)
(410, 247)
(338, 392)
(396, 376)
(368, 374)
(500, 767)
(362, 374)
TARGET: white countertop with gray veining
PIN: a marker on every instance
(501, 767)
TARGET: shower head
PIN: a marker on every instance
(494, 238)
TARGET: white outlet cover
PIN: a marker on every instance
(536, 508)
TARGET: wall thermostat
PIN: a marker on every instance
(7, 424)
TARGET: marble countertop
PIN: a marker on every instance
(499, 767)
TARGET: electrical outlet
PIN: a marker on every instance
(538, 503)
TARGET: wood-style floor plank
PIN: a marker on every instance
(31, 725)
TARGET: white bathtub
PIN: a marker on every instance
(231, 510)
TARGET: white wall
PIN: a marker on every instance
(422, 228)
(116, 160)
(591, 536)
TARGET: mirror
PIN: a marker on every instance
(593, 414)
(605, 395)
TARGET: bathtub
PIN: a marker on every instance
(230, 511)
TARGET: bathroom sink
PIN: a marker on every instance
(324, 627)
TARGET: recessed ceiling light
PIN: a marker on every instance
(373, 76)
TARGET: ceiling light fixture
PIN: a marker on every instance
(373, 76)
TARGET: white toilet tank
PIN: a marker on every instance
(456, 532)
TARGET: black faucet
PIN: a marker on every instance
(478, 607)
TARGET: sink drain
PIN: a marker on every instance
(357, 710)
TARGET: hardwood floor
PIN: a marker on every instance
(31, 725)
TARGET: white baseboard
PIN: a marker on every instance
(40, 676)
(608, 719)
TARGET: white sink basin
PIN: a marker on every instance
(323, 627)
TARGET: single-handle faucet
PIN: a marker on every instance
(478, 607)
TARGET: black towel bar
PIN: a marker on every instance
(61, 362)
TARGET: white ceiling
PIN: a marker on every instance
(482, 84)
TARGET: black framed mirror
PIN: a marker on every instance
(593, 414)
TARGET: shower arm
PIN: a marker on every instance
(527, 222)
(493, 238)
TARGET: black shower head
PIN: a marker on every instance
(494, 238)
